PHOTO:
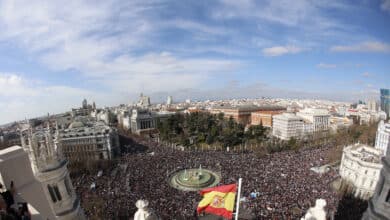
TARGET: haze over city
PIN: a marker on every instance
(53, 55)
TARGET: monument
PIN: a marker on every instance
(193, 179)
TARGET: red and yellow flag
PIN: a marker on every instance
(218, 200)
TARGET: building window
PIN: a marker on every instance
(51, 192)
(57, 193)
(54, 193)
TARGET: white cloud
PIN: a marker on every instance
(281, 50)
(326, 65)
(22, 97)
(103, 41)
(13, 85)
(285, 12)
(385, 5)
(369, 46)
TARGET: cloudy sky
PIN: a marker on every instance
(55, 53)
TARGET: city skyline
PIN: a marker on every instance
(53, 56)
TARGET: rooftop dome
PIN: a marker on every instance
(76, 124)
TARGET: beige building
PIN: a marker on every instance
(249, 114)
(83, 141)
(264, 115)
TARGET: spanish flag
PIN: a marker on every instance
(218, 200)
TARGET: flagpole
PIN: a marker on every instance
(238, 198)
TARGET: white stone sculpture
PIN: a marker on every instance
(144, 213)
(317, 212)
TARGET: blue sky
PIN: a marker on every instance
(55, 53)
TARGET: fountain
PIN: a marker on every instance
(193, 179)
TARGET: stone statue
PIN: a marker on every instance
(317, 212)
(144, 213)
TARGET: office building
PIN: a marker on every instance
(287, 125)
(319, 118)
(372, 105)
(385, 101)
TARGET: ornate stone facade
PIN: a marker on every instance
(379, 204)
(89, 141)
(360, 166)
(382, 140)
(50, 169)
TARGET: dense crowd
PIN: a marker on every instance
(277, 186)
(9, 208)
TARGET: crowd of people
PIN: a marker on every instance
(277, 186)
(9, 208)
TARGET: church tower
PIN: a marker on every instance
(50, 169)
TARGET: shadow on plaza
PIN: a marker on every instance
(129, 146)
(350, 208)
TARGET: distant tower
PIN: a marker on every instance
(144, 101)
(50, 169)
(385, 101)
(372, 105)
(169, 100)
(85, 103)
(93, 106)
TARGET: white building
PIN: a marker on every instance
(308, 127)
(360, 166)
(85, 109)
(372, 105)
(105, 115)
(144, 101)
(169, 100)
(382, 140)
(319, 118)
(339, 122)
(142, 120)
(287, 125)
(50, 170)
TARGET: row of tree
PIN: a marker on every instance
(201, 128)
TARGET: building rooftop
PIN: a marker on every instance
(365, 153)
(287, 116)
(249, 107)
(85, 129)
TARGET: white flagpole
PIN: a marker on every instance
(238, 198)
